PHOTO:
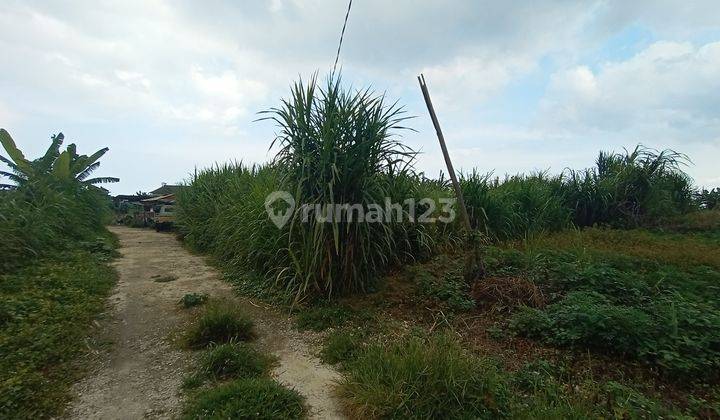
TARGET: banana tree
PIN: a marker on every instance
(65, 166)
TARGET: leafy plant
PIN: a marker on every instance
(55, 166)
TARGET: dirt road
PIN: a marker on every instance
(139, 373)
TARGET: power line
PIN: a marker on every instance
(342, 35)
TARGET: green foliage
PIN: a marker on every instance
(41, 213)
(425, 378)
(709, 199)
(233, 360)
(447, 287)
(246, 398)
(641, 187)
(337, 147)
(190, 300)
(220, 322)
(322, 317)
(334, 147)
(45, 312)
(54, 167)
(664, 315)
(516, 207)
(341, 346)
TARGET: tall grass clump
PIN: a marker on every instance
(630, 189)
(517, 206)
(222, 212)
(338, 146)
(642, 187)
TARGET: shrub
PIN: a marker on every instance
(424, 378)
(246, 398)
(219, 323)
(233, 360)
(679, 336)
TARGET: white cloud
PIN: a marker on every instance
(667, 92)
(200, 70)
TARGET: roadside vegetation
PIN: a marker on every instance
(54, 276)
(231, 379)
(600, 297)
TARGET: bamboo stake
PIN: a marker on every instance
(474, 267)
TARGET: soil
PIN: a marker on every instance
(136, 369)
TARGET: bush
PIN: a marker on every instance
(219, 323)
(246, 398)
(681, 337)
(424, 378)
(233, 360)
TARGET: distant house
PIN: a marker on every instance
(166, 189)
(143, 208)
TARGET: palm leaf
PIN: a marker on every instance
(102, 180)
(61, 166)
(15, 154)
(52, 153)
(90, 169)
(83, 162)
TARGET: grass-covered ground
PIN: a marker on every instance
(571, 320)
(46, 310)
(231, 379)
(576, 324)
(54, 275)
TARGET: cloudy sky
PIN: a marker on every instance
(518, 86)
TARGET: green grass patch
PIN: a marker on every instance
(246, 398)
(319, 318)
(637, 294)
(680, 249)
(220, 322)
(424, 378)
(45, 313)
(234, 360)
(341, 346)
(441, 280)
(190, 300)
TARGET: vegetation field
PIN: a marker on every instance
(599, 296)
(54, 273)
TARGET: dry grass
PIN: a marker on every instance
(506, 293)
(681, 250)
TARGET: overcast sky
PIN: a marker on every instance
(518, 86)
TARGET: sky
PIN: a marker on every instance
(518, 86)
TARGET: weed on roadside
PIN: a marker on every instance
(220, 322)
(246, 398)
(190, 300)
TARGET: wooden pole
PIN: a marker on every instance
(474, 267)
(446, 155)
